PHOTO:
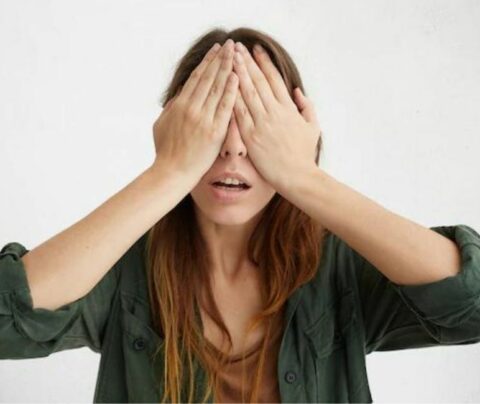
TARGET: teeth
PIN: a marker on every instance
(232, 181)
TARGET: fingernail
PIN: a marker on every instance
(238, 57)
(258, 48)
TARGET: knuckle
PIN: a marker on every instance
(218, 133)
(225, 63)
(195, 73)
(251, 92)
(255, 139)
(190, 114)
(203, 125)
(200, 127)
(223, 105)
(215, 89)
(212, 133)
(211, 56)
(208, 130)
(243, 110)
(177, 102)
(205, 77)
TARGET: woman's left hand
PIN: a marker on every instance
(280, 134)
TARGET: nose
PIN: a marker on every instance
(233, 144)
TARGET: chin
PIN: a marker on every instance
(230, 214)
(229, 220)
(226, 215)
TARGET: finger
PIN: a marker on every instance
(249, 92)
(258, 78)
(233, 121)
(204, 85)
(218, 88)
(192, 81)
(272, 75)
(243, 118)
(305, 106)
(170, 102)
(224, 109)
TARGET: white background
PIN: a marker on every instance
(396, 86)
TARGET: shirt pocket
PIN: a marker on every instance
(326, 338)
(325, 334)
(140, 343)
(136, 324)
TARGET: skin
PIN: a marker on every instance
(227, 227)
(279, 135)
(406, 252)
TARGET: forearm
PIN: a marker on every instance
(67, 266)
(405, 252)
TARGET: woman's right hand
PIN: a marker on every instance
(191, 129)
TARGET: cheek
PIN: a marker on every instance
(264, 195)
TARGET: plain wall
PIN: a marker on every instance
(396, 85)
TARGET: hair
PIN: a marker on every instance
(286, 246)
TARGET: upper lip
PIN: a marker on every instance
(227, 174)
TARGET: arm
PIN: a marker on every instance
(408, 297)
(68, 265)
(72, 278)
(404, 251)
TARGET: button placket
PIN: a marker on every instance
(290, 376)
(139, 344)
(141, 336)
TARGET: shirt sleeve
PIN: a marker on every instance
(26, 332)
(444, 312)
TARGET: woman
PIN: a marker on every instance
(299, 273)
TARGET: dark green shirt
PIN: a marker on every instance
(346, 312)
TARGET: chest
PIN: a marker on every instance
(237, 304)
(322, 358)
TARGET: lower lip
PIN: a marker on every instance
(228, 194)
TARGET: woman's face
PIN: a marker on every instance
(246, 204)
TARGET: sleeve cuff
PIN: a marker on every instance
(450, 301)
(12, 271)
(38, 324)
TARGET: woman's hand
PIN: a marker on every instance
(191, 129)
(280, 135)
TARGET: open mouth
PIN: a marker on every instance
(231, 187)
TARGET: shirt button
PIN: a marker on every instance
(139, 344)
(290, 376)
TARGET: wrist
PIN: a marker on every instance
(168, 177)
(293, 182)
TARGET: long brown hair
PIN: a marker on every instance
(286, 246)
